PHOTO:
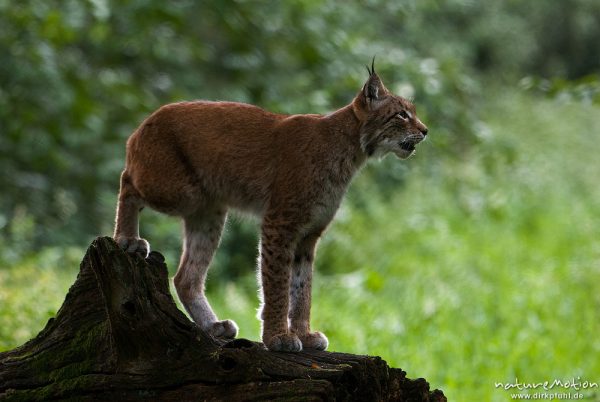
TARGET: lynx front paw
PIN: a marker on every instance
(223, 329)
(314, 340)
(134, 245)
(284, 343)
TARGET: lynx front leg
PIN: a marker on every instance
(300, 295)
(127, 224)
(276, 253)
(202, 235)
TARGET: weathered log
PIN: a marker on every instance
(120, 336)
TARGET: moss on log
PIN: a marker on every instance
(120, 336)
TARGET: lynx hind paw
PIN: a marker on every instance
(284, 343)
(227, 329)
(314, 340)
(134, 245)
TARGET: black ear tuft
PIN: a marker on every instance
(372, 69)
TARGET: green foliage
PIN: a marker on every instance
(32, 291)
(585, 89)
(510, 38)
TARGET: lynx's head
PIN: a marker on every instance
(389, 122)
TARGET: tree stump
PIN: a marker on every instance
(120, 336)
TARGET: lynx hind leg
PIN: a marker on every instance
(127, 220)
(300, 295)
(202, 234)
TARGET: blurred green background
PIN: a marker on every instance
(476, 261)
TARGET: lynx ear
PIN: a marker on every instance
(373, 90)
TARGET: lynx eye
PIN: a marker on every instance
(403, 115)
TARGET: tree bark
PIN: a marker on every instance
(120, 336)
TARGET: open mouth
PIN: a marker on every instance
(408, 146)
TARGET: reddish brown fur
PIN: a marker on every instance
(199, 159)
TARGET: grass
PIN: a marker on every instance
(484, 268)
(32, 291)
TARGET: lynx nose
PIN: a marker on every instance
(422, 127)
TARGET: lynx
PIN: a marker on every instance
(197, 160)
